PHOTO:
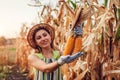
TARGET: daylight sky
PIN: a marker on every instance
(12, 14)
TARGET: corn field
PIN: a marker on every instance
(100, 38)
(22, 51)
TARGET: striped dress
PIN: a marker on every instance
(55, 75)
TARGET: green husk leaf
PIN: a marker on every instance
(118, 12)
(73, 4)
(117, 36)
(105, 3)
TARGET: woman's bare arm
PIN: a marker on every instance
(34, 61)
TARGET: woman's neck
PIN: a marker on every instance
(47, 53)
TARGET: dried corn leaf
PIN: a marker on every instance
(112, 72)
(88, 41)
(80, 64)
(67, 21)
(63, 9)
(87, 13)
(87, 27)
(81, 75)
(116, 2)
(60, 12)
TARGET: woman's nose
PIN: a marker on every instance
(43, 38)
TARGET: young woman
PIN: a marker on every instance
(47, 59)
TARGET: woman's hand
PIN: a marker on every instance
(68, 58)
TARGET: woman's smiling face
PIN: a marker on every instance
(43, 38)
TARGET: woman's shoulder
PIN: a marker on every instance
(56, 54)
(37, 55)
(31, 56)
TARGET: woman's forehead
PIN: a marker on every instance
(42, 31)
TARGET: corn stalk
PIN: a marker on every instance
(22, 50)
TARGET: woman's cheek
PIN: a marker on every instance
(38, 42)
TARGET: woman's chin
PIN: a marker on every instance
(45, 46)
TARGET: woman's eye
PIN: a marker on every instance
(44, 35)
(39, 37)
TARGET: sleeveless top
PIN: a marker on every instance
(55, 75)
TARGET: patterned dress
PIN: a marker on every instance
(55, 75)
